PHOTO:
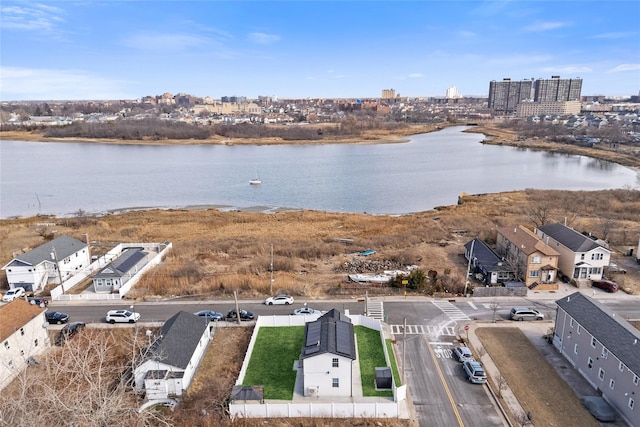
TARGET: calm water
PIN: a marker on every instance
(429, 171)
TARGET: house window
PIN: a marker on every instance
(593, 342)
(10, 364)
(631, 402)
(571, 323)
(612, 383)
(590, 363)
(21, 352)
(605, 353)
(21, 331)
(579, 329)
(621, 366)
(635, 380)
(534, 273)
(582, 257)
(536, 259)
(596, 257)
(6, 345)
(601, 374)
(334, 362)
(35, 342)
(575, 348)
(336, 382)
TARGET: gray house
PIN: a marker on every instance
(604, 348)
(487, 264)
(120, 271)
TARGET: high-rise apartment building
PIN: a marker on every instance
(505, 95)
(388, 93)
(452, 93)
(557, 89)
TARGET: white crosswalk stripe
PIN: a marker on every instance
(434, 331)
(451, 310)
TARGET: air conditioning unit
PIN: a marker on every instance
(312, 391)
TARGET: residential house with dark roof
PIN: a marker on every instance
(327, 356)
(533, 260)
(581, 256)
(490, 267)
(35, 269)
(119, 271)
(23, 336)
(604, 348)
(173, 357)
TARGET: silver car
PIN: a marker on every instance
(525, 313)
(462, 354)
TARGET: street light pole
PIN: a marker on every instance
(54, 255)
(271, 273)
(466, 279)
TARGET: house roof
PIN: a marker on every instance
(65, 246)
(121, 265)
(527, 240)
(609, 328)
(570, 238)
(331, 333)
(178, 339)
(15, 314)
(486, 257)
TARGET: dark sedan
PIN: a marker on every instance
(56, 317)
(244, 315)
(210, 315)
(69, 331)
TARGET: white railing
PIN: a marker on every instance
(316, 409)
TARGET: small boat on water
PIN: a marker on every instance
(256, 180)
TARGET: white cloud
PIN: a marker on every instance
(262, 38)
(31, 83)
(624, 67)
(163, 42)
(546, 26)
(416, 75)
(39, 17)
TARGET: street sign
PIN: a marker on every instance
(466, 327)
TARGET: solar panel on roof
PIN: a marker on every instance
(344, 338)
(313, 334)
(128, 263)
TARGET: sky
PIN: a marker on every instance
(83, 49)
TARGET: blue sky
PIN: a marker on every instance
(82, 49)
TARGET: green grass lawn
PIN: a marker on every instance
(394, 366)
(271, 363)
(371, 356)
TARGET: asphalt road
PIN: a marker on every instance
(440, 393)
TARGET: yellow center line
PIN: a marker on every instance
(444, 382)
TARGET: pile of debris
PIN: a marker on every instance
(360, 265)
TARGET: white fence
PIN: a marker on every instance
(365, 407)
(58, 293)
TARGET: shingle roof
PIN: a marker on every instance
(15, 314)
(486, 257)
(179, 338)
(526, 240)
(331, 333)
(65, 246)
(570, 238)
(609, 328)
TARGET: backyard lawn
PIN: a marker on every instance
(371, 356)
(271, 363)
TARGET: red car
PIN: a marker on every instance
(606, 285)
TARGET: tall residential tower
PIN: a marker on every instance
(505, 95)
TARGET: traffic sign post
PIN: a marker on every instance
(466, 329)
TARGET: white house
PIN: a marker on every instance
(121, 270)
(173, 357)
(604, 348)
(23, 336)
(327, 356)
(581, 256)
(35, 269)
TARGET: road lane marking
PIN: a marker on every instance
(424, 330)
(452, 312)
(444, 384)
(472, 305)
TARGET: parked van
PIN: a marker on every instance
(525, 313)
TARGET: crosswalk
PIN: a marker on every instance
(434, 331)
(452, 312)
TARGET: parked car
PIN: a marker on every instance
(42, 302)
(306, 310)
(599, 408)
(122, 316)
(462, 354)
(614, 268)
(244, 315)
(13, 294)
(606, 285)
(69, 331)
(210, 315)
(279, 299)
(56, 317)
(525, 313)
(474, 372)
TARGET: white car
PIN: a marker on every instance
(13, 294)
(122, 316)
(306, 310)
(279, 299)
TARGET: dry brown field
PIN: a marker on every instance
(535, 383)
(215, 252)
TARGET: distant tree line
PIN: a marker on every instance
(150, 129)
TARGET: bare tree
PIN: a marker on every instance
(501, 383)
(606, 226)
(539, 212)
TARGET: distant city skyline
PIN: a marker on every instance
(56, 50)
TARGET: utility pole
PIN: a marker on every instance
(54, 255)
(235, 297)
(271, 271)
(466, 279)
